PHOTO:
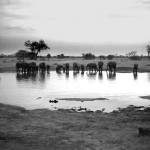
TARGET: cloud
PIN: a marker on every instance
(17, 28)
(121, 16)
(8, 9)
(11, 17)
(12, 3)
(7, 15)
(16, 31)
(144, 4)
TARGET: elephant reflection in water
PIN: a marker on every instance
(82, 73)
(26, 77)
(100, 75)
(92, 75)
(135, 76)
(111, 76)
(67, 74)
(42, 77)
(75, 74)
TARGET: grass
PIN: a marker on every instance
(43, 129)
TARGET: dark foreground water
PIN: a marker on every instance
(35, 90)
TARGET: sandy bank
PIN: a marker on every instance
(145, 97)
(81, 99)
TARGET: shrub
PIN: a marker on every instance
(48, 56)
(110, 57)
(135, 58)
(102, 57)
(61, 56)
(88, 56)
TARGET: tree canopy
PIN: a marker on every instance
(61, 56)
(88, 56)
(36, 47)
(21, 54)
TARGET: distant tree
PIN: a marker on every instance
(148, 50)
(36, 47)
(88, 56)
(61, 56)
(102, 57)
(133, 55)
(22, 54)
(48, 56)
(110, 57)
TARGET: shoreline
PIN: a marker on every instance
(119, 110)
(65, 129)
(118, 70)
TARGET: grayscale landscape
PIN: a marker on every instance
(74, 74)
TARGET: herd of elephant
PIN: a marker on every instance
(91, 67)
(32, 67)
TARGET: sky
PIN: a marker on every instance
(74, 27)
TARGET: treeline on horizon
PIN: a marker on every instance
(86, 56)
(35, 47)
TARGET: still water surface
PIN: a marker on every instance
(35, 90)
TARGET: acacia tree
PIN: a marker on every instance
(132, 53)
(36, 47)
(148, 50)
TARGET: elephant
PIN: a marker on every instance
(100, 66)
(26, 67)
(135, 69)
(23, 66)
(92, 67)
(19, 65)
(111, 66)
(67, 67)
(82, 68)
(76, 67)
(59, 68)
(42, 67)
(33, 67)
(48, 68)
